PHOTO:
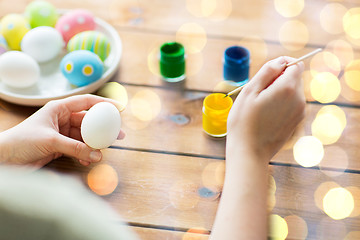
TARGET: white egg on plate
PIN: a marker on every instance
(101, 125)
(42, 43)
(18, 69)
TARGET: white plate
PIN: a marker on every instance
(53, 85)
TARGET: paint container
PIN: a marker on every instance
(236, 65)
(172, 62)
(216, 109)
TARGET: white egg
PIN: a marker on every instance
(18, 69)
(101, 125)
(42, 43)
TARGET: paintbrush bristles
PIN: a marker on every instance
(287, 65)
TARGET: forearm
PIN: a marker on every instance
(242, 212)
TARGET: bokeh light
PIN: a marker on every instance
(192, 36)
(308, 151)
(297, 227)
(307, 77)
(321, 190)
(278, 227)
(271, 193)
(213, 176)
(335, 157)
(352, 75)
(331, 18)
(102, 179)
(221, 12)
(329, 124)
(355, 192)
(325, 87)
(325, 62)
(183, 195)
(145, 105)
(257, 47)
(115, 91)
(351, 23)
(153, 60)
(347, 92)
(213, 9)
(288, 8)
(294, 35)
(342, 50)
(338, 203)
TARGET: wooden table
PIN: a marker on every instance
(169, 173)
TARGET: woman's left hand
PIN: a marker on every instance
(49, 133)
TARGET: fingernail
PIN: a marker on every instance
(95, 156)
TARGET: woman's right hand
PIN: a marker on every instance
(268, 109)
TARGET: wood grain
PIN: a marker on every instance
(162, 191)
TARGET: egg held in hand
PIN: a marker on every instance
(42, 43)
(101, 125)
(82, 67)
(18, 69)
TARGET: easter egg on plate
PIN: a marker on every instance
(13, 28)
(42, 43)
(82, 67)
(93, 41)
(41, 13)
(3, 45)
(74, 22)
(18, 69)
(101, 125)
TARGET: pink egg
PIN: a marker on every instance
(74, 22)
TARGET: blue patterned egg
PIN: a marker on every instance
(93, 41)
(3, 45)
(82, 67)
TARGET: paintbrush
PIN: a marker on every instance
(287, 65)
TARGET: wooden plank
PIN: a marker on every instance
(205, 69)
(166, 191)
(229, 19)
(155, 234)
(170, 120)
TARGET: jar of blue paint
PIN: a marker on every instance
(236, 65)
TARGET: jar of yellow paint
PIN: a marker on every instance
(216, 108)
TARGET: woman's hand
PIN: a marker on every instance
(49, 133)
(268, 109)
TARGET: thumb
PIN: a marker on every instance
(268, 73)
(77, 149)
